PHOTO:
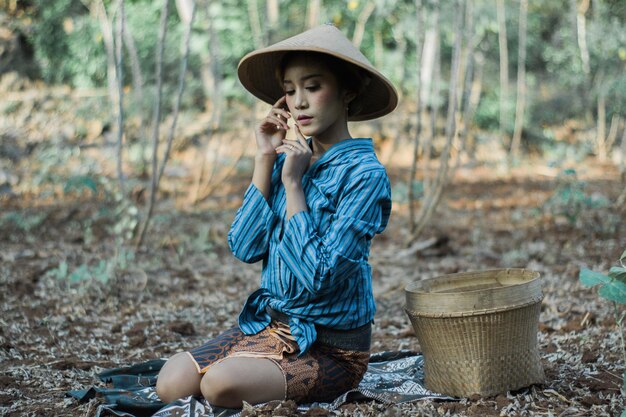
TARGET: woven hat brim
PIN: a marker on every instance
(256, 72)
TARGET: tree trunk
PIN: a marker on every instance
(581, 37)
(364, 16)
(138, 92)
(185, 9)
(432, 200)
(156, 119)
(272, 20)
(472, 87)
(623, 152)
(520, 103)
(612, 136)
(99, 11)
(313, 13)
(419, 109)
(474, 99)
(119, 72)
(581, 25)
(432, 97)
(601, 128)
(255, 23)
(427, 64)
(378, 49)
(504, 70)
(212, 74)
(400, 71)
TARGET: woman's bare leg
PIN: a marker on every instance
(178, 378)
(255, 380)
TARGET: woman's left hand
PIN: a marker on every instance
(297, 160)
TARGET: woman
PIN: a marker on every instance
(310, 213)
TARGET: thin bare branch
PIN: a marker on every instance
(418, 117)
(504, 68)
(181, 88)
(156, 118)
(119, 71)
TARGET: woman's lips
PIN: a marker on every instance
(304, 120)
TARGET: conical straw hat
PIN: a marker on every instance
(256, 70)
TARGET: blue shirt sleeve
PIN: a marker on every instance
(249, 234)
(320, 262)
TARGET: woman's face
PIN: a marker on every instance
(314, 99)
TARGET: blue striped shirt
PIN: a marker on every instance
(315, 266)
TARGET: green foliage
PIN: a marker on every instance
(80, 183)
(68, 47)
(400, 191)
(119, 213)
(24, 222)
(67, 43)
(570, 199)
(488, 112)
(612, 288)
(102, 270)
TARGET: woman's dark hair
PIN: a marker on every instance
(349, 77)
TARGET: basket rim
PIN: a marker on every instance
(467, 292)
(478, 312)
(415, 287)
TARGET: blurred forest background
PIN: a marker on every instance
(126, 144)
(135, 79)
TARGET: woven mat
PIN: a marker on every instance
(391, 378)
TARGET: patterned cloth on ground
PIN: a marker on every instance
(321, 374)
(391, 378)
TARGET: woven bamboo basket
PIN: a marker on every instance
(478, 330)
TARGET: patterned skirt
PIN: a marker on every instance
(321, 374)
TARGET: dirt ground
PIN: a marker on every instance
(55, 334)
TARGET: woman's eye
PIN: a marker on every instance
(289, 92)
(312, 87)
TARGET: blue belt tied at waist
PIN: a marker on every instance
(354, 339)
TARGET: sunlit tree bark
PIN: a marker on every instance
(313, 13)
(273, 13)
(520, 102)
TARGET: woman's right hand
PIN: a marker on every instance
(270, 132)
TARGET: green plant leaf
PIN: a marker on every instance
(618, 273)
(614, 291)
(590, 278)
(80, 182)
(623, 257)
